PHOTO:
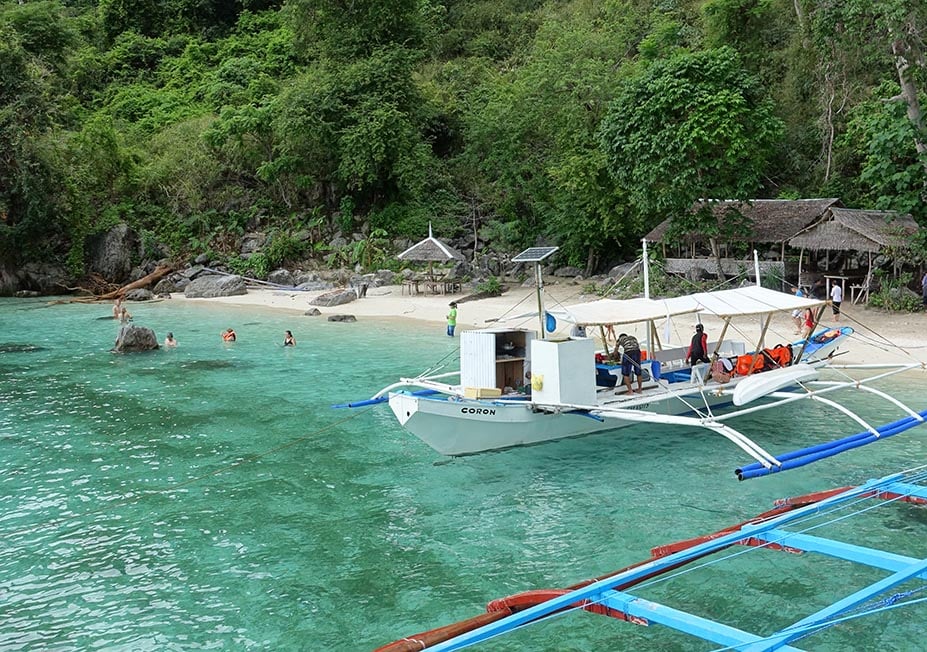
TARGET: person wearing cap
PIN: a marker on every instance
(698, 348)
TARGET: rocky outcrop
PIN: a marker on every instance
(313, 312)
(251, 243)
(111, 253)
(208, 287)
(336, 298)
(133, 339)
(139, 294)
(44, 278)
(315, 286)
(343, 318)
(280, 277)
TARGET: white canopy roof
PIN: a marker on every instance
(621, 311)
(748, 300)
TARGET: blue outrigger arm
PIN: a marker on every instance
(811, 454)
(610, 596)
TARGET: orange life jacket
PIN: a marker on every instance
(747, 364)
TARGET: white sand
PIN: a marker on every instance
(880, 336)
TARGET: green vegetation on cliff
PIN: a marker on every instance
(584, 122)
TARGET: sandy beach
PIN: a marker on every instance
(880, 336)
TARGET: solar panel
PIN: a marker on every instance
(534, 254)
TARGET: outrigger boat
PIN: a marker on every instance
(794, 525)
(572, 394)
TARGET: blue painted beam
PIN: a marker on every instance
(858, 554)
(704, 628)
(640, 572)
(906, 489)
(801, 627)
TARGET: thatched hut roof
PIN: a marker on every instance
(430, 250)
(774, 220)
(851, 229)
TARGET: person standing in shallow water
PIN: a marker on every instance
(452, 319)
(169, 341)
(288, 339)
(229, 335)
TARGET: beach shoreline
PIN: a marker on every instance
(880, 336)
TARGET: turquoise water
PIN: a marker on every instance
(207, 497)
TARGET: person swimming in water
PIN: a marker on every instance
(288, 339)
(229, 335)
(169, 341)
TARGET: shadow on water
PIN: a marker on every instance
(13, 347)
(207, 365)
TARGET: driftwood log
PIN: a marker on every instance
(145, 281)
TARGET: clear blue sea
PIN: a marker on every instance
(208, 497)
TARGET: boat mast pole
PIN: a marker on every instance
(646, 262)
(756, 268)
(539, 283)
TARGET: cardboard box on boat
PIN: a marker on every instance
(482, 392)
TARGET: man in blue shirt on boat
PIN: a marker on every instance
(630, 361)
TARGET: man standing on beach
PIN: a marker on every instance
(836, 298)
(452, 319)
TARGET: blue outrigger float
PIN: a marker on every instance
(787, 527)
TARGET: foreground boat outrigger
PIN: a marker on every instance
(517, 388)
(785, 528)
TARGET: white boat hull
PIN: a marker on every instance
(454, 426)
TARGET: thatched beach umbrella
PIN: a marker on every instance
(430, 250)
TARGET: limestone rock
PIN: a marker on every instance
(335, 298)
(139, 294)
(166, 286)
(252, 242)
(315, 286)
(45, 278)
(312, 312)
(280, 277)
(208, 287)
(111, 253)
(342, 318)
(568, 272)
(133, 339)
(300, 277)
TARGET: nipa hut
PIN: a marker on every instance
(850, 229)
(431, 251)
(774, 221)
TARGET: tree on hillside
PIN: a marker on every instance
(27, 197)
(353, 126)
(695, 126)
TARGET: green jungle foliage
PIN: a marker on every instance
(577, 122)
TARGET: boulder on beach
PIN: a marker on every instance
(336, 298)
(343, 318)
(208, 287)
